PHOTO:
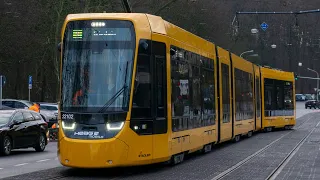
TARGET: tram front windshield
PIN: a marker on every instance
(97, 66)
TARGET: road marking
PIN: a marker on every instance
(43, 160)
(1, 168)
(21, 164)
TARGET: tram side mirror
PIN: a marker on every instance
(59, 47)
(144, 47)
(172, 52)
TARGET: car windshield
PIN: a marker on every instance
(49, 108)
(5, 117)
(28, 103)
(97, 65)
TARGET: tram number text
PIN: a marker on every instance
(67, 116)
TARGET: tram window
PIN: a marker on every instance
(238, 95)
(159, 52)
(268, 97)
(192, 90)
(195, 96)
(208, 93)
(160, 95)
(180, 90)
(141, 105)
(288, 96)
(244, 95)
(279, 95)
(268, 94)
(225, 93)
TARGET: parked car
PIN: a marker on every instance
(300, 97)
(309, 97)
(23, 104)
(312, 104)
(3, 107)
(20, 128)
(17, 104)
(50, 110)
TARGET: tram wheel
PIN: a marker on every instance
(207, 148)
(268, 129)
(236, 138)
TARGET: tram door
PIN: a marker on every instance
(149, 107)
(160, 122)
(225, 118)
(258, 103)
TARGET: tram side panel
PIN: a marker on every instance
(243, 96)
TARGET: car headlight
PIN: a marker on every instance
(114, 126)
(68, 126)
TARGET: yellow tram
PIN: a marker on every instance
(278, 102)
(136, 89)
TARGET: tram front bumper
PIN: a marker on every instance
(92, 153)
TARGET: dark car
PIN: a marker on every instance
(312, 104)
(21, 128)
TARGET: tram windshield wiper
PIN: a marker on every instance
(117, 94)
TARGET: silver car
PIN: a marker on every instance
(50, 110)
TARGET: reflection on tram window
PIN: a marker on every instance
(278, 97)
(244, 95)
(193, 91)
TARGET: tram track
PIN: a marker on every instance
(285, 161)
(279, 167)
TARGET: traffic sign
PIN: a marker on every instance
(30, 82)
(264, 26)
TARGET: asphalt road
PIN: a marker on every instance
(301, 111)
(28, 160)
(45, 165)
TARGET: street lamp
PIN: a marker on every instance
(300, 64)
(317, 81)
(251, 51)
(254, 31)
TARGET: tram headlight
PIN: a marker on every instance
(115, 126)
(69, 126)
